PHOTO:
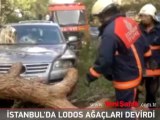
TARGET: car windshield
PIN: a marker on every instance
(76, 17)
(36, 34)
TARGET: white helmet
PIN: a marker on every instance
(149, 9)
(100, 6)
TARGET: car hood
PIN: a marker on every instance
(30, 53)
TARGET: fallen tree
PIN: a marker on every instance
(15, 87)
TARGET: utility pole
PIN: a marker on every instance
(0, 7)
(0, 11)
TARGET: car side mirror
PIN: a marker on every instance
(72, 39)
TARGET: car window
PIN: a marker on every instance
(34, 34)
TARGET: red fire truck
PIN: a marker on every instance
(72, 19)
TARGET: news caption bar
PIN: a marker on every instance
(50, 114)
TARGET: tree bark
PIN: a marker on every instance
(15, 87)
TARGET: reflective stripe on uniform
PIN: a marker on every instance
(94, 73)
(148, 53)
(151, 73)
(132, 83)
(155, 47)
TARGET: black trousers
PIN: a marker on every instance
(126, 95)
(151, 87)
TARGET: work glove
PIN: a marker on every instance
(89, 79)
(107, 73)
(152, 64)
(108, 77)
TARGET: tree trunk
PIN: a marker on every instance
(15, 87)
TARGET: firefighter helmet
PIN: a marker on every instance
(101, 6)
(149, 9)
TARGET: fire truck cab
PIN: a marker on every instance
(72, 19)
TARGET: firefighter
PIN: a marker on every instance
(121, 52)
(151, 29)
